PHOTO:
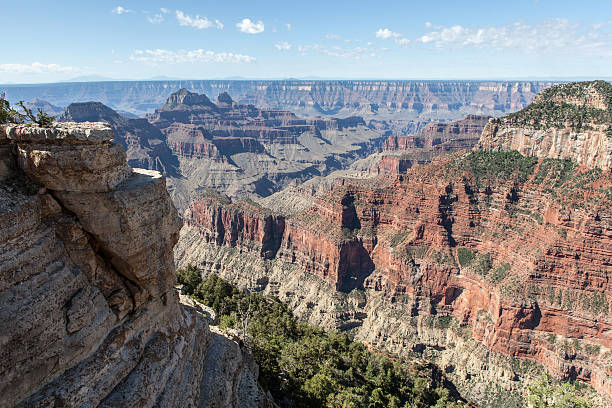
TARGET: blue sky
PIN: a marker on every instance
(59, 40)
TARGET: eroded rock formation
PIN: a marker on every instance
(492, 264)
(90, 315)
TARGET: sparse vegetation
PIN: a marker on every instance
(303, 366)
(465, 256)
(499, 273)
(552, 110)
(548, 394)
(493, 166)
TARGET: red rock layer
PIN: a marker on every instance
(525, 262)
(443, 137)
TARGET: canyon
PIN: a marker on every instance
(402, 100)
(479, 244)
(493, 264)
(90, 315)
(239, 150)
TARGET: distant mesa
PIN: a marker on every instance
(184, 98)
(45, 106)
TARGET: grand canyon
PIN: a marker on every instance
(481, 245)
(306, 205)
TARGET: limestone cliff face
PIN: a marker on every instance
(90, 316)
(468, 269)
(571, 121)
(448, 99)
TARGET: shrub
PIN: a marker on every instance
(190, 278)
(10, 115)
(547, 394)
(465, 256)
(303, 366)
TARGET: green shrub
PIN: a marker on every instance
(465, 256)
(547, 394)
(10, 115)
(190, 278)
(304, 366)
(499, 274)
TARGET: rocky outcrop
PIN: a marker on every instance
(571, 121)
(441, 137)
(145, 145)
(90, 315)
(402, 151)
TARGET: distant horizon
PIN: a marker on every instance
(322, 79)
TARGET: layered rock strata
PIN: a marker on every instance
(571, 121)
(508, 266)
(90, 315)
(400, 152)
(448, 100)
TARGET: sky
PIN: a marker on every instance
(50, 41)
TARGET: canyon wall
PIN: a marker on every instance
(439, 99)
(493, 264)
(90, 315)
(571, 121)
(469, 273)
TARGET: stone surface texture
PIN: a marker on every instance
(90, 315)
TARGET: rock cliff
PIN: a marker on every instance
(145, 145)
(507, 259)
(90, 315)
(493, 264)
(400, 152)
(571, 121)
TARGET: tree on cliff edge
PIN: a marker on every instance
(11, 115)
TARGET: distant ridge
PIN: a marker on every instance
(405, 100)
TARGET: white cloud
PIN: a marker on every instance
(250, 27)
(337, 51)
(386, 34)
(121, 10)
(398, 38)
(156, 19)
(164, 10)
(36, 68)
(289, 27)
(283, 46)
(549, 35)
(334, 37)
(188, 56)
(198, 22)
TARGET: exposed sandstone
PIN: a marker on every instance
(90, 315)
(590, 148)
